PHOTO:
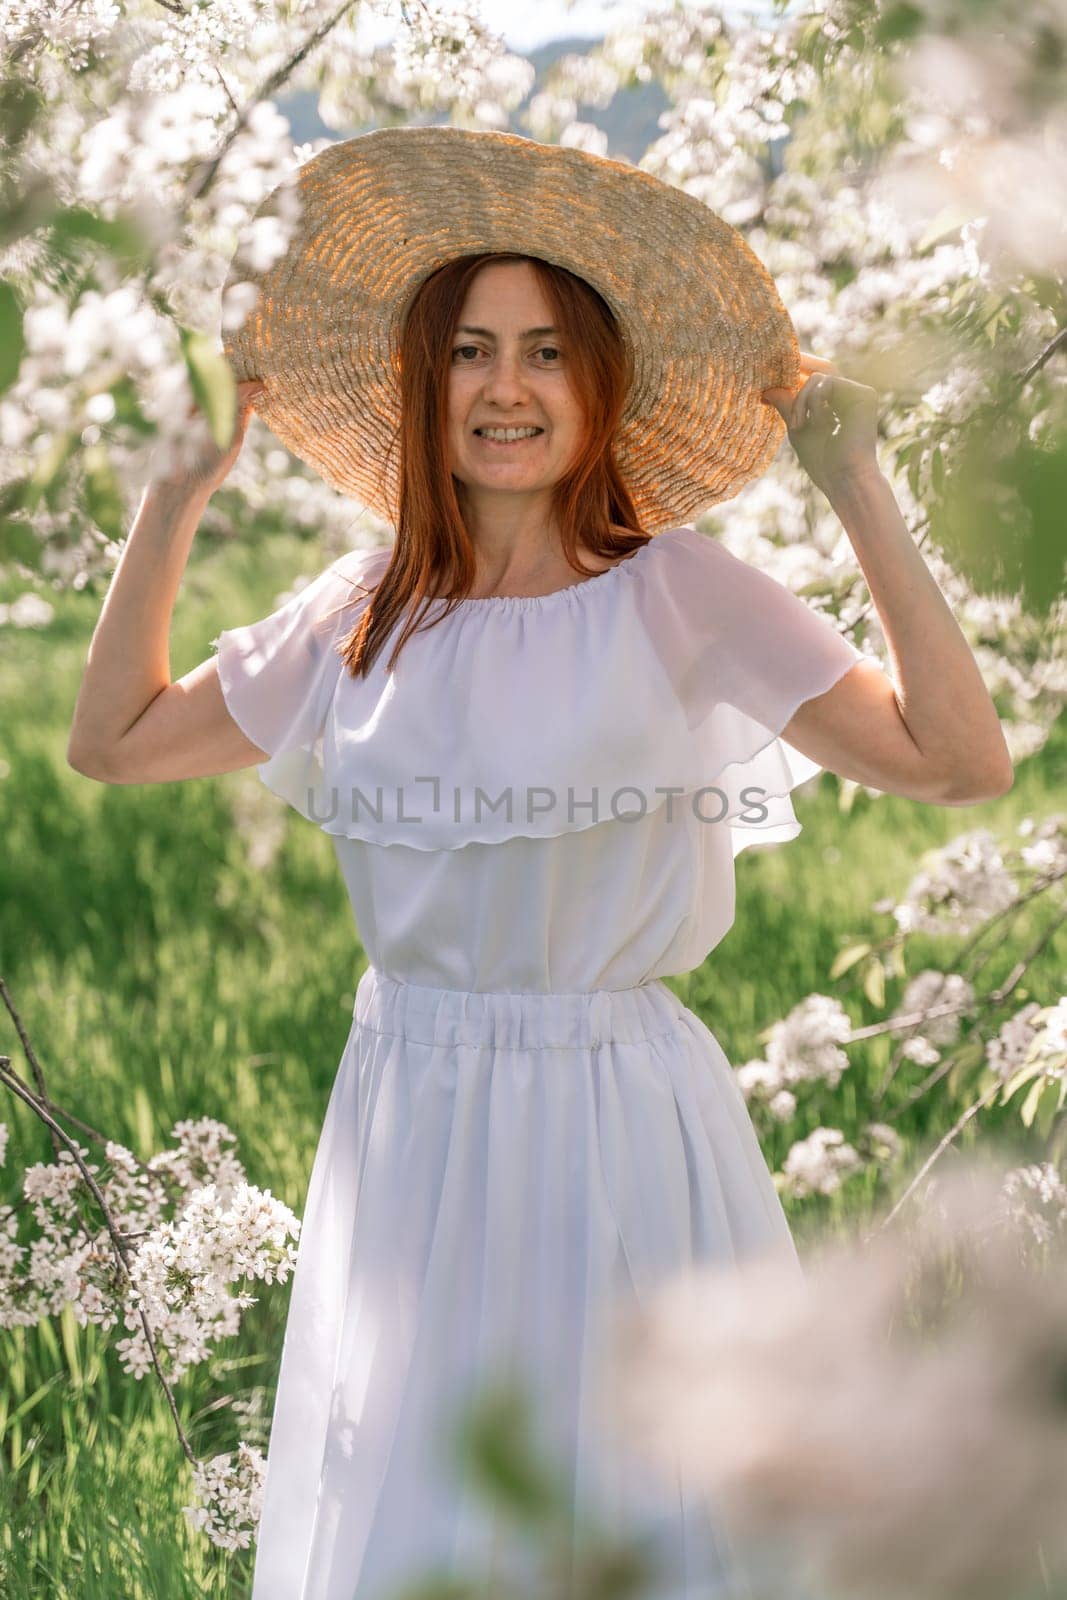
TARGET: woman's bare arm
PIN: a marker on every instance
(131, 724)
(934, 735)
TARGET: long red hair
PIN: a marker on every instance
(433, 554)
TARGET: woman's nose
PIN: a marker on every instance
(505, 376)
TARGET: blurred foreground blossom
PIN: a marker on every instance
(894, 1416)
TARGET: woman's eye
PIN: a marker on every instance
(462, 349)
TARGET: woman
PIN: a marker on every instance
(535, 797)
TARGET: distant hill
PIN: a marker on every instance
(630, 121)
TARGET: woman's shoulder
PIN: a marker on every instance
(362, 564)
(349, 580)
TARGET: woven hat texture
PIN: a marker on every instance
(379, 213)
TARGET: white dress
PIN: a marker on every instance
(527, 1125)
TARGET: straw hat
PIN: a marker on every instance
(379, 213)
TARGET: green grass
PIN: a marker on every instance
(161, 974)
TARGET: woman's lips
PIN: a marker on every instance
(507, 444)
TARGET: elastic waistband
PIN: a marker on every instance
(514, 1021)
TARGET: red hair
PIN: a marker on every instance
(433, 554)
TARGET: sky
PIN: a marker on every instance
(525, 26)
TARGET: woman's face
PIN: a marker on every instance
(508, 369)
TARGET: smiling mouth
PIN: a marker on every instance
(526, 438)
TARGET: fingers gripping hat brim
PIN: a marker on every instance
(379, 213)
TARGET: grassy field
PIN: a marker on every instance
(187, 950)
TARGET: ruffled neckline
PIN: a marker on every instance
(557, 597)
(677, 683)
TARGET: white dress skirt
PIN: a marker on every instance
(536, 817)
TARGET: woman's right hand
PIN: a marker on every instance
(210, 465)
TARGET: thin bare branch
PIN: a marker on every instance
(957, 1128)
(17, 1087)
(267, 88)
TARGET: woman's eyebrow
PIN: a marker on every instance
(527, 333)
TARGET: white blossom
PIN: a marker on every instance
(758, 1079)
(230, 1490)
(585, 136)
(1046, 851)
(885, 1142)
(929, 990)
(782, 1105)
(804, 1047)
(961, 886)
(1012, 1044)
(819, 1163)
(1039, 1199)
(29, 610)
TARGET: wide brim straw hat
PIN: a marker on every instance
(704, 323)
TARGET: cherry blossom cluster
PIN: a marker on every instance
(229, 1491)
(155, 116)
(966, 888)
(193, 1226)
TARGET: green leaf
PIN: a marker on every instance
(213, 384)
(12, 496)
(894, 962)
(1048, 1107)
(965, 1057)
(847, 958)
(1028, 1109)
(948, 220)
(20, 103)
(1016, 1081)
(1000, 316)
(12, 343)
(1046, 289)
(874, 982)
(128, 413)
(49, 465)
(122, 236)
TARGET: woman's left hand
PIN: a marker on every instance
(832, 423)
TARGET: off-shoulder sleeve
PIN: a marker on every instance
(278, 675)
(742, 652)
